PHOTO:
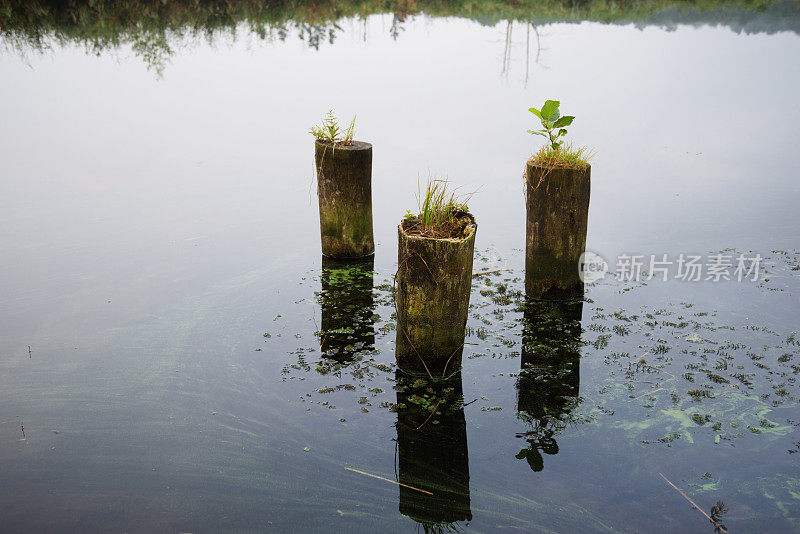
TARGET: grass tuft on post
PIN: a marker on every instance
(440, 212)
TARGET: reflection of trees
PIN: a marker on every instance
(153, 27)
(348, 308)
(432, 452)
(549, 380)
(509, 44)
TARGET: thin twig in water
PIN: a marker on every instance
(651, 367)
(632, 381)
(491, 272)
(450, 358)
(431, 414)
(388, 480)
(693, 504)
(660, 370)
(646, 394)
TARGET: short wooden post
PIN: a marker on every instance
(434, 279)
(344, 188)
(557, 205)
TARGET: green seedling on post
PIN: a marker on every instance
(329, 131)
(557, 153)
(553, 124)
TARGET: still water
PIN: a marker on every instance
(175, 355)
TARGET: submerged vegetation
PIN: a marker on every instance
(442, 213)
(662, 365)
(656, 381)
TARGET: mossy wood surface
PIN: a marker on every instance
(433, 285)
(557, 204)
(344, 188)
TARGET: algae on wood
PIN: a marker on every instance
(344, 187)
(434, 279)
(557, 205)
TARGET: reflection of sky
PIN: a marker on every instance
(105, 166)
(103, 163)
(118, 186)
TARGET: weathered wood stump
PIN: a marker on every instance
(557, 205)
(434, 279)
(344, 188)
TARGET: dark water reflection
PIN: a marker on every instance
(432, 452)
(348, 308)
(548, 386)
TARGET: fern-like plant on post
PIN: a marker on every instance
(344, 188)
(329, 131)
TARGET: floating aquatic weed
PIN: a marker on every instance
(666, 374)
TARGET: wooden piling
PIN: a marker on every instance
(557, 205)
(434, 279)
(344, 188)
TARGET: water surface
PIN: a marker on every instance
(161, 259)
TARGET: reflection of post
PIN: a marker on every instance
(549, 380)
(528, 26)
(507, 49)
(347, 307)
(432, 452)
